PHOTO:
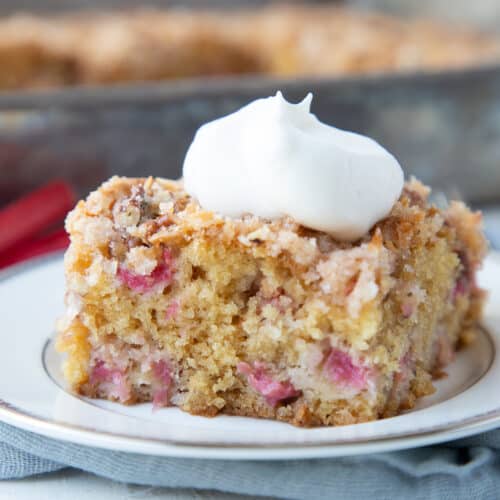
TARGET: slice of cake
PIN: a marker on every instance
(170, 303)
(180, 305)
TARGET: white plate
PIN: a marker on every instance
(32, 394)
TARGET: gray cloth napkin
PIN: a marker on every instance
(464, 469)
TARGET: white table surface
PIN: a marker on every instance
(76, 485)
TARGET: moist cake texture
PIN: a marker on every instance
(170, 303)
(38, 51)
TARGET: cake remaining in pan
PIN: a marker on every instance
(155, 45)
(170, 303)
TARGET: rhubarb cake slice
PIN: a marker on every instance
(178, 305)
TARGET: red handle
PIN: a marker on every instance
(27, 217)
(57, 240)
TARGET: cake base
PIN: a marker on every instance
(172, 304)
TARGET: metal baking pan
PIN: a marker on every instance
(444, 127)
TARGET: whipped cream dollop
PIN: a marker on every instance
(273, 158)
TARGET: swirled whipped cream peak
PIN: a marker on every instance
(272, 159)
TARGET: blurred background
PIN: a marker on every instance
(90, 89)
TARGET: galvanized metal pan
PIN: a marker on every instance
(444, 127)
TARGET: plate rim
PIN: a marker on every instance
(68, 432)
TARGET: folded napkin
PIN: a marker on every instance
(462, 469)
(465, 469)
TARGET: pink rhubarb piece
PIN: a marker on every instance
(163, 378)
(407, 309)
(340, 368)
(172, 309)
(113, 378)
(461, 287)
(161, 274)
(272, 390)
